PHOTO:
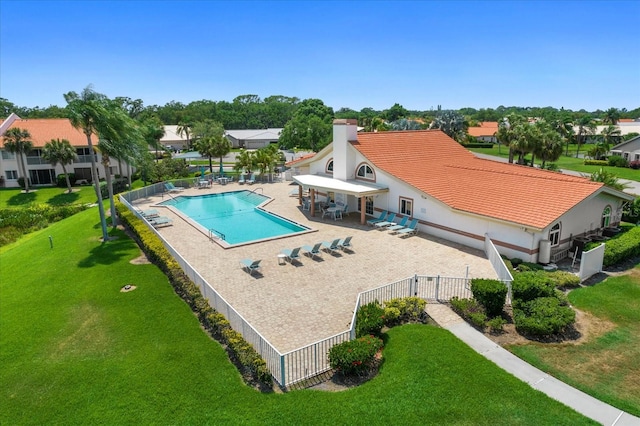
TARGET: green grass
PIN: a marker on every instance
(13, 197)
(76, 350)
(568, 163)
(606, 366)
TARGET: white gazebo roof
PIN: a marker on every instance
(351, 187)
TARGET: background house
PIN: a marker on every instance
(455, 195)
(629, 150)
(172, 140)
(253, 139)
(485, 132)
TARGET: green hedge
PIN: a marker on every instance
(596, 163)
(215, 323)
(355, 356)
(492, 294)
(527, 286)
(479, 145)
(543, 316)
(623, 246)
(369, 319)
(404, 309)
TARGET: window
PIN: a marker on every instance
(6, 155)
(365, 172)
(12, 174)
(554, 235)
(329, 168)
(406, 206)
(606, 217)
(368, 209)
(42, 177)
(83, 151)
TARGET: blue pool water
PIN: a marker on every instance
(235, 216)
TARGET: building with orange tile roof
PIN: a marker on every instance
(485, 131)
(455, 195)
(41, 172)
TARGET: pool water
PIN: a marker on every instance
(235, 216)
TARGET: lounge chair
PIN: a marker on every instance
(402, 224)
(412, 229)
(346, 243)
(169, 186)
(314, 251)
(388, 222)
(381, 218)
(241, 180)
(149, 213)
(252, 179)
(250, 265)
(160, 221)
(332, 247)
(292, 254)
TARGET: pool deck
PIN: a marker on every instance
(293, 305)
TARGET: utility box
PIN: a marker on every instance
(544, 252)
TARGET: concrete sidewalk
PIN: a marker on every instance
(537, 379)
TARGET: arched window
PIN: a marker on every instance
(606, 217)
(365, 172)
(554, 235)
(329, 168)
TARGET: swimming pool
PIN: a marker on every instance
(235, 216)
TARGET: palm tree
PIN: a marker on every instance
(611, 116)
(17, 141)
(153, 131)
(60, 151)
(87, 111)
(210, 141)
(549, 146)
(184, 128)
(508, 132)
(586, 126)
(245, 161)
(609, 179)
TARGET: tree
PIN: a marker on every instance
(611, 116)
(88, 112)
(310, 127)
(549, 143)
(184, 128)
(211, 141)
(396, 112)
(563, 126)
(17, 141)
(451, 123)
(586, 126)
(60, 151)
(509, 131)
(404, 124)
(609, 179)
(153, 131)
(265, 159)
(245, 161)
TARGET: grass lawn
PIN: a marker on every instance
(74, 349)
(13, 197)
(569, 163)
(606, 367)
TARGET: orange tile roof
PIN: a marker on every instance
(42, 130)
(440, 167)
(485, 128)
(297, 160)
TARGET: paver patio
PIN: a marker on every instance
(295, 305)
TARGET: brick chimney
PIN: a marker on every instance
(344, 131)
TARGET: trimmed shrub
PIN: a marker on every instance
(623, 246)
(369, 319)
(469, 309)
(355, 357)
(564, 279)
(61, 180)
(409, 308)
(34, 217)
(516, 261)
(527, 286)
(617, 161)
(596, 163)
(391, 316)
(21, 182)
(635, 164)
(543, 316)
(528, 266)
(496, 324)
(492, 294)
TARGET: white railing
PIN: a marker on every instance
(591, 262)
(501, 269)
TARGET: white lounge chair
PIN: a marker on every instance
(332, 247)
(292, 254)
(160, 221)
(402, 224)
(316, 250)
(250, 265)
(346, 243)
(412, 229)
(252, 179)
(381, 218)
(388, 222)
(169, 186)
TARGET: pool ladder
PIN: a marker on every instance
(216, 234)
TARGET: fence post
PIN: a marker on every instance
(413, 289)
(282, 374)
(438, 287)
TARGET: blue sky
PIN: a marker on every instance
(576, 54)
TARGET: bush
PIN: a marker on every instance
(61, 180)
(516, 261)
(623, 246)
(409, 308)
(617, 161)
(543, 316)
(470, 309)
(635, 165)
(496, 324)
(391, 316)
(356, 356)
(34, 217)
(596, 162)
(527, 286)
(119, 185)
(21, 182)
(552, 167)
(564, 279)
(528, 266)
(369, 319)
(491, 294)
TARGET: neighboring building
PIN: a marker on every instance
(485, 132)
(456, 196)
(172, 140)
(629, 150)
(253, 139)
(41, 172)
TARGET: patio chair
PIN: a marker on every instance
(250, 265)
(252, 179)
(169, 186)
(149, 213)
(332, 246)
(388, 222)
(313, 251)
(292, 254)
(346, 244)
(381, 218)
(402, 224)
(160, 221)
(412, 229)
(241, 180)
